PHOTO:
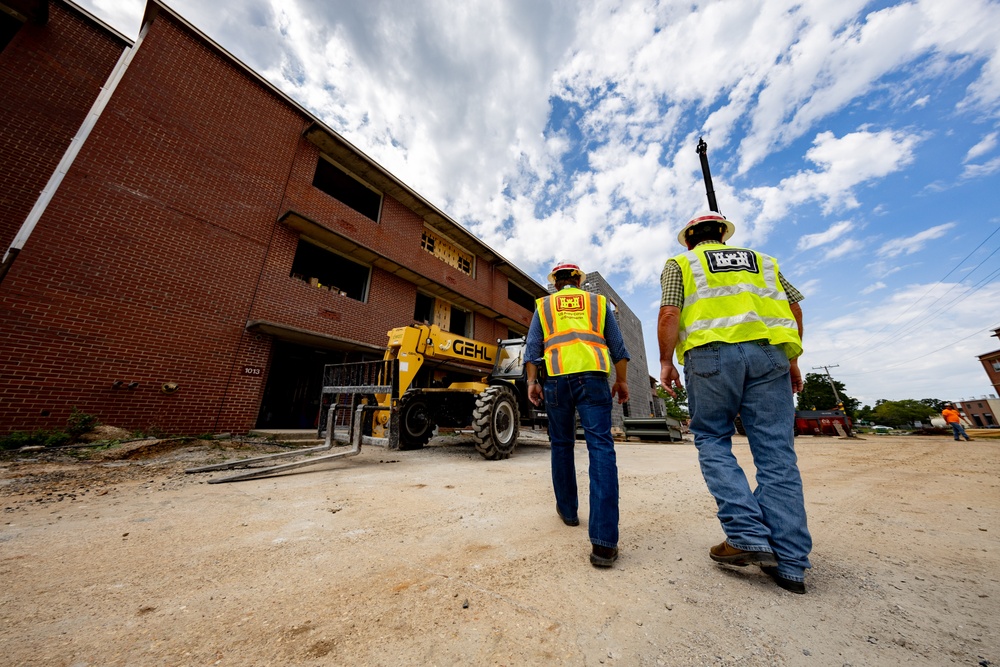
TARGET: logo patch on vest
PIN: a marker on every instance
(723, 261)
(569, 303)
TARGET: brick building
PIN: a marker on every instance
(991, 364)
(982, 412)
(210, 244)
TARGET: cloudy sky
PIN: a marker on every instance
(855, 141)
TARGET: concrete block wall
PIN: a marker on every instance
(640, 396)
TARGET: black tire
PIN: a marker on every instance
(495, 423)
(416, 422)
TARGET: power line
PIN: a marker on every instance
(917, 320)
(917, 323)
(929, 289)
(903, 363)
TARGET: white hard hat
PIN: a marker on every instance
(565, 265)
(708, 216)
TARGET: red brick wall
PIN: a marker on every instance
(162, 243)
(988, 360)
(144, 266)
(57, 70)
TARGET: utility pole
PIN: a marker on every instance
(836, 396)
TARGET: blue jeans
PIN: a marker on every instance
(588, 394)
(750, 379)
(958, 430)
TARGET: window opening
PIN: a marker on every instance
(460, 322)
(423, 310)
(9, 25)
(446, 251)
(443, 315)
(996, 365)
(324, 269)
(520, 297)
(341, 185)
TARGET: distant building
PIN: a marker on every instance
(991, 364)
(982, 412)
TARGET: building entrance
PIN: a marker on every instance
(292, 394)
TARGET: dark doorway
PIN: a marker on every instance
(294, 383)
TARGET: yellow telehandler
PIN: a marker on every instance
(427, 378)
(430, 378)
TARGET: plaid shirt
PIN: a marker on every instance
(672, 285)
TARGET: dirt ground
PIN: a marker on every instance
(437, 557)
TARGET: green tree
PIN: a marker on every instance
(866, 413)
(676, 407)
(902, 413)
(817, 394)
(935, 403)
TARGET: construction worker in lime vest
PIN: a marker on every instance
(735, 325)
(576, 336)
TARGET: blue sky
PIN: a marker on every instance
(857, 142)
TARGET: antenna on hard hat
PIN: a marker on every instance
(707, 173)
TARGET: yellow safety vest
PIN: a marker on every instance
(573, 328)
(733, 295)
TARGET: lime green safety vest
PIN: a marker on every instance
(573, 327)
(733, 295)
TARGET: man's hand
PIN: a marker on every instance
(667, 324)
(620, 389)
(535, 393)
(669, 377)
(793, 369)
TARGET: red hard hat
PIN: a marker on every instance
(708, 216)
(565, 265)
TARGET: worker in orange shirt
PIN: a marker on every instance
(953, 419)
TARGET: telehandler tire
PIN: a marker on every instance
(416, 423)
(495, 423)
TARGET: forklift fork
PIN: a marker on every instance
(353, 437)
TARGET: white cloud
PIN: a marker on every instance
(987, 144)
(907, 245)
(809, 287)
(874, 287)
(845, 247)
(844, 164)
(833, 233)
(980, 170)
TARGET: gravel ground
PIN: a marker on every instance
(437, 557)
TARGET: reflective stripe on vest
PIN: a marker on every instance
(768, 267)
(572, 326)
(733, 295)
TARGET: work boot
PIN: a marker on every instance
(790, 585)
(603, 556)
(574, 521)
(730, 555)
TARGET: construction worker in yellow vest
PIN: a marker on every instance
(574, 334)
(735, 325)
